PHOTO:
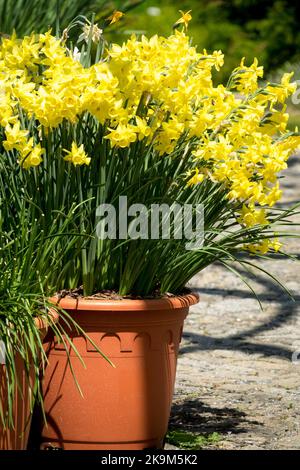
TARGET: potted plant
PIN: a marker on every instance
(140, 139)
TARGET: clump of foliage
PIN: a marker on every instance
(191, 441)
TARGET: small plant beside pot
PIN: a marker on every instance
(24, 321)
(26, 315)
(169, 174)
(22, 330)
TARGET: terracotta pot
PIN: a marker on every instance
(17, 438)
(126, 406)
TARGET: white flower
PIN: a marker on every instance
(95, 33)
(76, 54)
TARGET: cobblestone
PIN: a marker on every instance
(235, 371)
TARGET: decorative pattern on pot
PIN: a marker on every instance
(126, 406)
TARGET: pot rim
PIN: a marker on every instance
(43, 323)
(164, 303)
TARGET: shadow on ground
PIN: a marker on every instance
(192, 415)
(286, 309)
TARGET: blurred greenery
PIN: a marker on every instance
(267, 29)
(26, 16)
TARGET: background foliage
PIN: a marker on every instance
(267, 29)
(26, 16)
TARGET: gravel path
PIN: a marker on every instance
(235, 370)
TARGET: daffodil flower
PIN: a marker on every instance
(77, 155)
(116, 16)
(185, 19)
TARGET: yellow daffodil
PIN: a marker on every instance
(33, 158)
(251, 216)
(15, 137)
(185, 18)
(196, 177)
(115, 16)
(77, 155)
(264, 246)
(143, 130)
(157, 94)
(122, 136)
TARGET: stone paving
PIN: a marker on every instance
(235, 373)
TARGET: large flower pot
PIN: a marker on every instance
(16, 438)
(126, 406)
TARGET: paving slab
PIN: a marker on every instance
(236, 375)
